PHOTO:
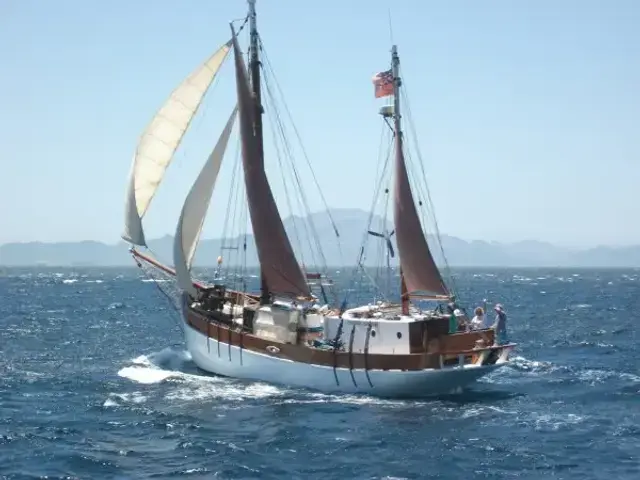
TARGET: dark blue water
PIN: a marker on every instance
(95, 383)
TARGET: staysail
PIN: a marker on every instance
(161, 139)
(277, 260)
(419, 270)
(195, 209)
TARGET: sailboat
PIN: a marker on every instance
(283, 335)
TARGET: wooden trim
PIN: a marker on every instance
(304, 354)
(425, 296)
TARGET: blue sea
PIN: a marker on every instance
(95, 383)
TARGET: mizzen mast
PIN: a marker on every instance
(418, 270)
(397, 131)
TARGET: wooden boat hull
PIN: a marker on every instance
(244, 356)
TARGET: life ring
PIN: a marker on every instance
(272, 349)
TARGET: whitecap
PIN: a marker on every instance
(553, 422)
(118, 399)
(144, 375)
(169, 365)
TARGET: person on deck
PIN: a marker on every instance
(453, 319)
(500, 325)
(461, 319)
(477, 322)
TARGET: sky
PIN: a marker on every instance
(527, 112)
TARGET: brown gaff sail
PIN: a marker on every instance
(277, 260)
(418, 267)
(419, 270)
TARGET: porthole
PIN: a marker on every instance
(399, 335)
(373, 333)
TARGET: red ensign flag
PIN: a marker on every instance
(383, 83)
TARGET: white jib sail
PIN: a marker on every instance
(161, 139)
(195, 209)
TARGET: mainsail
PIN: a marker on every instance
(195, 208)
(277, 260)
(419, 270)
(161, 139)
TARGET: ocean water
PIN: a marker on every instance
(95, 383)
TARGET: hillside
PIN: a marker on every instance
(351, 224)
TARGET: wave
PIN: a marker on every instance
(184, 382)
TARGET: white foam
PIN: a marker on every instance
(522, 363)
(198, 388)
(172, 365)
(351, 400)
(594, 376)
(485, 409)
(118, 399)
(553, 422)
(145, 375)
(109, 402)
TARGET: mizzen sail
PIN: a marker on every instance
(419, 270)
(418, 267)
(277, 260)
(195, 209)
(161, 139)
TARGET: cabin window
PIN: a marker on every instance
(399, 335)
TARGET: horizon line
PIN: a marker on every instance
(442, 235)
(336, 267)
(562, 245)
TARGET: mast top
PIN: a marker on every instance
(395, 60)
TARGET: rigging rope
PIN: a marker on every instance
(381, 172)
(284, 184)
(309, 227)
(405, 94)
(304, 152)
(160, 289)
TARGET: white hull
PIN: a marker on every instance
(221, 359)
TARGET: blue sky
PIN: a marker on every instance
(527, 111)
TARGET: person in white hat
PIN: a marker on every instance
(477, 322)
(500, 325)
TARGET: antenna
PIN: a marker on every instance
(390, 26)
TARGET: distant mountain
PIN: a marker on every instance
(351, 225)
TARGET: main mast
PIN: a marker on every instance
(397, 130)
(254, 70)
